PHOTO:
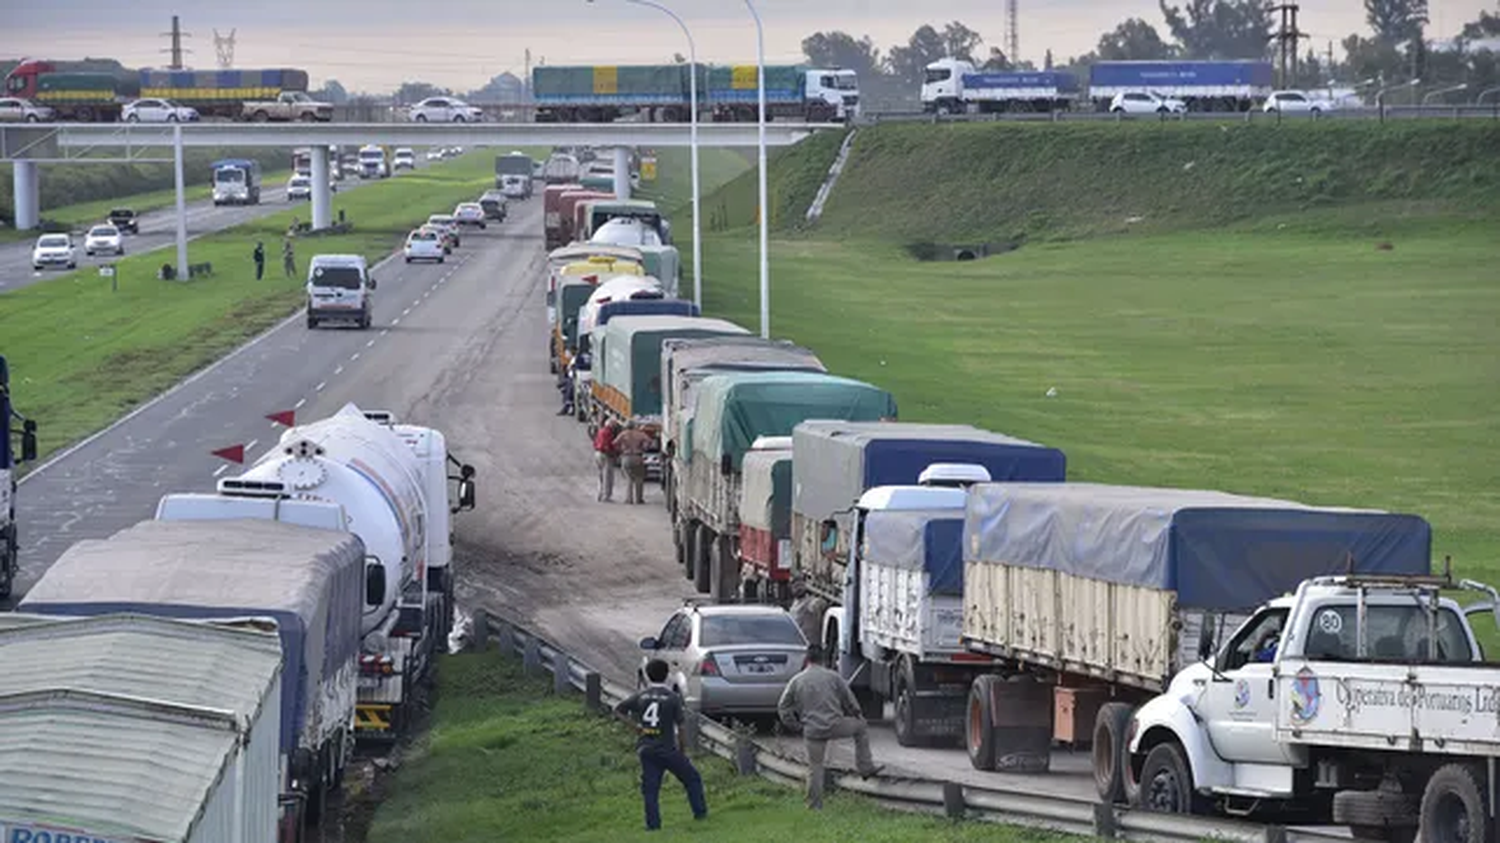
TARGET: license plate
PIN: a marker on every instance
(759, 668)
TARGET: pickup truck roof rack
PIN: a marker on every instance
(1443, 580)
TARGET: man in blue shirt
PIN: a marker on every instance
(656, 711)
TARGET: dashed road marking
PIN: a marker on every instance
(319, 387)
(339, 370)
(220, 470)
(386, 331)
(406, 311)
(253, 443)
(300, 402)
(369, 344)
(354, 357)
(396, 321)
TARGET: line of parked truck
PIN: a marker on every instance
(204, 675)
(1216, 651)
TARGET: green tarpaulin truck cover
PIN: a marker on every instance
(631, 354)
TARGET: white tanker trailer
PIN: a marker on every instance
(388, 484)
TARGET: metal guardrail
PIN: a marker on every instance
(958, 801)
(1390, 112)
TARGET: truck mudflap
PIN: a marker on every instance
(938, 713)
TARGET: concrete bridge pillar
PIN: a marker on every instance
(28, 195)
(322, 193)
(622, 172)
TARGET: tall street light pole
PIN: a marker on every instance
(765, 256)
(693, 95)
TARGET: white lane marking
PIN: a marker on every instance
(408, 310)
(319, 387)
(220, 469)
(369, 344)
(386, 331)
(73, 449)
(396, 321)
(300, 402)
(354, 357)
(339, 370)
(253, 443)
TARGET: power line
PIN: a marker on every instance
(176, 50)
(224, 47)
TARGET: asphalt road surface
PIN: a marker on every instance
(158, 231)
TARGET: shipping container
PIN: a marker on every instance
(102, 705)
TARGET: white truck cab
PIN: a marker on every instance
(1371, 689)
(340, 288)
(836, 87)
(943, 85)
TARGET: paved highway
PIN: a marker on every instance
(158, 231)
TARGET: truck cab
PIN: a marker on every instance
(9, 549)
(1362, 687)
(236, 182)
(943, 86)
(836, 88)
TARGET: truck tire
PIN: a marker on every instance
(979, 725)
(261, 117)
(1111, 766)
(8, 554)
(724, 585)
(1376, 814)
(1453, 807)
(905, 700)
(1167, 782)
(702, 548)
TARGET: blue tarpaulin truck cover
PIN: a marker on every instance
(919, 540)
(1217, 551)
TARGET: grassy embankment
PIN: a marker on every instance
(507, 760)
(1303, 311)
(80, 194)
(81, 354)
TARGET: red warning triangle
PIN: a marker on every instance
(285, 418)
(234, 453)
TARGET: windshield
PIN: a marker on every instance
(424, 235)
(371, 156)
(438, 219)
(342, 277)
(102, 231)
(229, 176)
(849, 83)
(301, 181)
(937, 74)
(750, 629)
(53, 240)
(121, 213)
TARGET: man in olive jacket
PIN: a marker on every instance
(820, 702)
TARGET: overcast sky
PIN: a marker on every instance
(377, 44)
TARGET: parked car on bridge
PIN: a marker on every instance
(158, 111)
(729, 659)
(445, 110)
(103, 239)
(16, 110)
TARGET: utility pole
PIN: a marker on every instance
(1286, 40)
(176, 50)
(1012, 31)
(526, 80)
(224, 47)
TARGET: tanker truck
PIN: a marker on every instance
(388, 484)
(9, 550)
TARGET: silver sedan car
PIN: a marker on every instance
(728, 659)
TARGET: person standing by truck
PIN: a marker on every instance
(820, 702)
(631, 446)
(605, 458)
(288, 258)
(656, 711)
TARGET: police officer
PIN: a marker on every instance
(656, 711)
(259, 256)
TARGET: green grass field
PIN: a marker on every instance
(1282, 353)
(673, 189)
(81, 354)
(506, 760)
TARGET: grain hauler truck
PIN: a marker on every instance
(1092, 598)
(954, 86)
(9, 459)
(311, 582)
(387, 483)
(884, 555)
(1200, 85)
(730, 412)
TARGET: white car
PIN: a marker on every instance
(445, 110)
(425, 244)
(299, 188)
(1297, 102)
(404, 159)
(469, 213)
(15, 110)
(1145, 102)
(54, 250)
(102, 240)
(446, 224)
(158, 111)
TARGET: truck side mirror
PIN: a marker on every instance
(372, 283)
(649, 643)
(374, 581)
(465, 495)
(1206, 640)
(28, 440)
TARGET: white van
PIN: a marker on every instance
(339, 289)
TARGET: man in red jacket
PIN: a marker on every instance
(607, 460)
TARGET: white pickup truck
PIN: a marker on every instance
(1362, 700)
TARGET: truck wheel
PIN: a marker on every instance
(679, 547)
(702, 549)
(725, 571)
(1376, 814)
(979, 725)
(906, 707)
(262, 117)
(1453, 807)
(8, 556)
(1167, 782)
(1111, 766)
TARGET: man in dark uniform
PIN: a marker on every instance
(656, 712)
(259, 255)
